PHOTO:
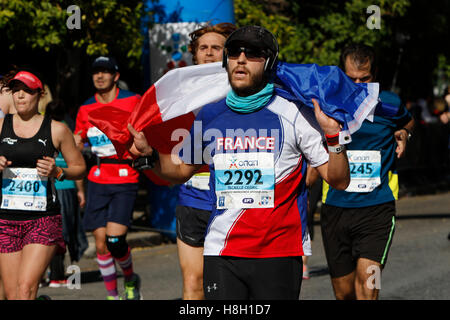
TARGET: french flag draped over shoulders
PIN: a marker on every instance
(169, 104)
(174, 100)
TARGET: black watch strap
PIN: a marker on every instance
(146, 163)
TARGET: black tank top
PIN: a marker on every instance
(24, 153)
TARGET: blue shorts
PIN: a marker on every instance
(109, 203)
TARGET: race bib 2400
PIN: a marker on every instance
(244, 180)
(24, 189)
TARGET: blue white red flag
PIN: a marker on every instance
(175, 98)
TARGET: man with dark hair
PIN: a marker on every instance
(194, 199)
(363, 58)
(112, 183)
(256, 156)
(358, 224)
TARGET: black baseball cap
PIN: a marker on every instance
(108, 63)
(254, 37)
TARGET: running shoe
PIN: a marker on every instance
(133, 288)
(113, 298)
(57, 283)
(305, 272)
(43, 283)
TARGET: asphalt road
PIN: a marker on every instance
(418, 266)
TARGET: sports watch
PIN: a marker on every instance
(336, 149)
(61, 174)
(146, 163)
(409, 135)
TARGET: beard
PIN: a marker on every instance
(104, 87)
(257, 83)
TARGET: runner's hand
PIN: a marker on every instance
(78, 140)
(329, 125)
(4, 163)
(81, 199)
(46, 167)
(445, 117)
(140, 145)
(401, 137)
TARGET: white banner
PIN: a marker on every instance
(169, 47)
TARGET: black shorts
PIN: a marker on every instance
(231, 278)
(352, 233)
(109, 203)
(191, 225)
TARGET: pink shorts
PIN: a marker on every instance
(14, 235)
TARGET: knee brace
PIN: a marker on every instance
(117, 245)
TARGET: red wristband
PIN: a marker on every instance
(332, 140)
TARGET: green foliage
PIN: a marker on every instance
(411, 43)
(308, 31)
(41, 22)
(316, 31)
(106, 26)
(444, 66)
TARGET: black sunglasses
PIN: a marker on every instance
(250, 53)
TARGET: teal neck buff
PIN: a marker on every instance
(251, 103)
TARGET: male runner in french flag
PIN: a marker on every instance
(256, 144)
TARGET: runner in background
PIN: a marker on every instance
(195, 201)
(112, 183)
(358, 224)
(314, 185)
(30, 213)
(71, 201)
